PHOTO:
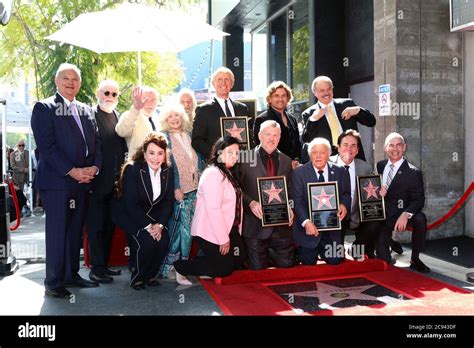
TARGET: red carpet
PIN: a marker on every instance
(351, 288)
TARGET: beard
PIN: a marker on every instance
(108, 106)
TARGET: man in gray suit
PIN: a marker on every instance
(269, 246)
(19, 162)
(349, 144)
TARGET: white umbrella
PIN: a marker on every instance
(136, 28)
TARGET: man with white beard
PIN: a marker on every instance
(99, 225)
(135, 124)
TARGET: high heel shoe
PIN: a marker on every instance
(182, 280)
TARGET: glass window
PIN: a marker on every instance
(259, 66)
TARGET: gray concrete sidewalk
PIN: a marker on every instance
(23, 292)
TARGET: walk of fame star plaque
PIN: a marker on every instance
(323, 201)
(371, 203)
(238, 128)
(273, 197)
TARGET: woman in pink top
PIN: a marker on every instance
(217, 219)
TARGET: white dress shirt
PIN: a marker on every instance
(322, 106)
(387, 169)
(155, 182)
(222, 104)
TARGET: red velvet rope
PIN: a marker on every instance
(11, 185)
(453, 210)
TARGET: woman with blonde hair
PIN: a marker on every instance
(186, 163)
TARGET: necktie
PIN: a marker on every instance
(227, 110)
(390, 175)
(270, 166)
(321, 176)
(238, 196)
(75, 114)
(152, 124)
(334, 125)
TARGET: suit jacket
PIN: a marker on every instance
(361, 168)
(113, 148)
(405, 193)
(215, 207)
(62, 144)
(321, 129)
(290, 143)
(139, 208)
(134, 127)
(247, 175)
(303, 175)
(19, 162)
(207, 126)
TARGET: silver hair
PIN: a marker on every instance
(319, 141)
(269, 123)
(393, 135)
(319, 79)
(68, 66)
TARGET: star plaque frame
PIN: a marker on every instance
(323, 205)
(273, 197)
(371, 203)
(238, 127)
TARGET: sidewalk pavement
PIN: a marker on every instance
(23, 292)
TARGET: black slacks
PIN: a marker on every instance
(100, 230)
(276, 251)
(212, 263)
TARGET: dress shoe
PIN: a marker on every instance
(138, 285)
(60, 292)
(470, 277)
(83, 283)
(419, 266)
(113, 272)
(397, 247)
(100, 277)
(153, 282)
(182, 280)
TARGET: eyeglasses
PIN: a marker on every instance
(107, 93)
(21, 145)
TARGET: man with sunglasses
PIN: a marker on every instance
(20, 165)
(142, 118)
(99, 225)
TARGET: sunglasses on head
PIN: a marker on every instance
(107, 93)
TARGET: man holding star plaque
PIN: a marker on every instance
(317, 230)
(267, 216)
(349, 144)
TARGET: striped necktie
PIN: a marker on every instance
(390, 175)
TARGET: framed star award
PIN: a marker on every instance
(323, 201)
(273, 197)
(371, 203)
(238, 128)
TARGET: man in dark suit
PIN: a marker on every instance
(99, 225)
(329, 117)
(206, 125)
(70, 159)
(266, 246)
(278, 97)
(328, 245)
(349, 144)
(404, 199)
